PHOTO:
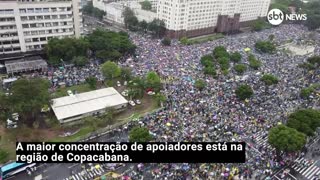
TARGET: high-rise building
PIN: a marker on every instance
(198, 17)
(27, 25)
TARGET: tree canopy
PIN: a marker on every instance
(166, 41)
(265, 46)
(93, 11)
(139, 134)
(305, 121)
(253, 62)
(79, 60)
(28, 97)
(259, 25)
(235, 57)
(244, 92)
(200, 84)
(109, 45)
(153, 81)
(146, 5)
(240, 68)
(110, 70)
(106, 45)
(157, 27)
(65, 49)
(92, 81)
(269, 79)
(220, 52)
(286, 139)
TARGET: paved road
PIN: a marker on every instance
(301, 169)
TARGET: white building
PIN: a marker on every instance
(115, 8)
(196, 17)
(78, 106)
(27, 25)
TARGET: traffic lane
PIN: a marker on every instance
(48, 171)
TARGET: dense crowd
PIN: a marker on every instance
(215, 114)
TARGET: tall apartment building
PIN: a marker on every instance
(198, 17)
(27, 25)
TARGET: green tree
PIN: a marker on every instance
(110, 70)
(79, 60)
(271, 37)
(133, 23)
(235, 57)
(92, 82)
(200, 84)
(160, 99)
(269, 79)
(314, 60)
(138, 86)
(108, 45)
(140, 134)
(184, 41)
(265, 46)
(28, 97)
(143, 26)
(305, 121)
(207, 60)
(244, 92)
(306, 92)
(220, 52)
(209, 70)
(153, 81)
(166, 41)
(127, 16)
(65, 49)
(93, 11)
(146, 5)
(259, 25)
(253, 62)
(126, 74)
(240, 68)
(224, 63)
(157, 28)
(286, 139)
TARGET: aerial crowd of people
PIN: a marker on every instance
(215, 113)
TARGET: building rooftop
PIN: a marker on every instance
(78, 104)
(27, 64)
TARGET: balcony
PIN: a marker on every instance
(7, 23)
(7, 46)
(47, 20)
(9, 38)
(3, 31)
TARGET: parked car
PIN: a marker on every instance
(125, 93)
(138, 102)
(118, 83)
(69, 92)
(151, 93)
(132, 103)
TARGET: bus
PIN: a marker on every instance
(13, 168)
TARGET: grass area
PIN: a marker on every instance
(63, 91)
(83, 131)
(206, 38)
(7, 146)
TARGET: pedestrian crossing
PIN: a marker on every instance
(261, 139)
(309, 171)
(87, 174)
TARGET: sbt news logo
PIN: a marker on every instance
(276, 17)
